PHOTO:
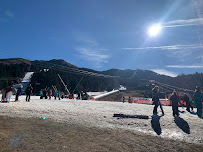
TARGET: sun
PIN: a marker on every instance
(154, 30)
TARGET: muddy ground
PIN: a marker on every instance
(71, 125)
(23, 134)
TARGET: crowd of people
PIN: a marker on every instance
(10, 90)
(47, 93)
(7, 93)
(175, 101)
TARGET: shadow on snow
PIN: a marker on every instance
(156, 124)
(182, 124)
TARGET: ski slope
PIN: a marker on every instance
(27, 77)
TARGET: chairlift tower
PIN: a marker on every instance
(64, 84)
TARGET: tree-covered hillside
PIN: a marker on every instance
(50, 77)
(12, 73)
(188, 81)
(13, 70)
(137, 79)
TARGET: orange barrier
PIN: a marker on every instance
(163, 102)
(144, 101)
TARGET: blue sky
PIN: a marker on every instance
(105, 34)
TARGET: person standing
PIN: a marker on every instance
(59, 95)
(70, 96)
(28, 92)
(19, 91)
(3, 95)
(55, 95)
(41, 94)
(79, 95)
(156, 101)
(45, 93)
(198, 97)
(50, 93)
(8, 94)
(62, 95)
(175, 100)
(186, 99)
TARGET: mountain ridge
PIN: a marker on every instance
(132, 79)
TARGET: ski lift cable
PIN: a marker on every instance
(164, 85)
(69, 68)
(64, 70)
(167, 86)
(63, 84)
(165, 89)
(172, 86)
(78, 84)
(56, 66)
(75, 71)
(86, 72)
(182, 89)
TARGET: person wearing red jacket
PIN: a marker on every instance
(50, 93)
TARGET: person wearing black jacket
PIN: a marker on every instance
(186, 99)
(28, 92)
(175, 100)
(156, 101)
(44, 93)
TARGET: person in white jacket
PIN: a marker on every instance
(8, 94)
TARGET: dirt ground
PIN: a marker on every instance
(35, 134)
(75, 125)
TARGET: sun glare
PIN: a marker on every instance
(154, 30)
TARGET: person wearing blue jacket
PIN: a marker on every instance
(59, 95)
(55, 95)
(198, 98)
(41, 94)
(19, 91)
